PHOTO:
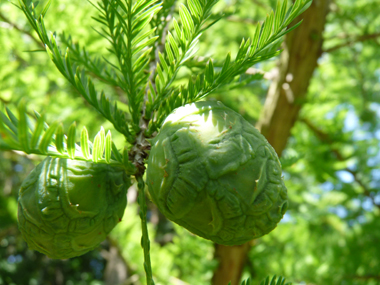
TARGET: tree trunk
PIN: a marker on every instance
(286, 95)
(231, 263)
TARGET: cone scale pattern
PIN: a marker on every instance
(67, 207)
(212, 172)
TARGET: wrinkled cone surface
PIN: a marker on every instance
(212, 172)
(66, 207)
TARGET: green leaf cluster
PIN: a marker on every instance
(37, 137)
(145, 78)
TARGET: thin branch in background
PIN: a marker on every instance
(340, 35)
(366, 190)
(14, 26)
(38, 42)
(325, 138)
(241, 20)
(10, 231)
(361, 78)
(262, 5)
(4, 101)
(352, 41)
(364, 277)
(236, 19)
(377, 41)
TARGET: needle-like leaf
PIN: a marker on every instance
(71, 146)
(84, 143)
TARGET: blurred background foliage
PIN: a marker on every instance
(330, 234)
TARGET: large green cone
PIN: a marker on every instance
(67, 207)
(212, 172)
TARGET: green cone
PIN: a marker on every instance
(212, 172)
(67, 207)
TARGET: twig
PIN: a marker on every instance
(241, 20)
(11, 230)
(364, 277)
(262, 4)
(323, 137)
(4, 101)
(13, 25)
(350, 42)
(145, 242)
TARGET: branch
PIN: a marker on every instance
(262, 4)
(145, 242)
(11, 230)
(2, 100)
(241, 20)
(325, 138)
(350, 42)
(13, 25)
(364, 277)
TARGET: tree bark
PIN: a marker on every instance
(231, 263)
(286, 95)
